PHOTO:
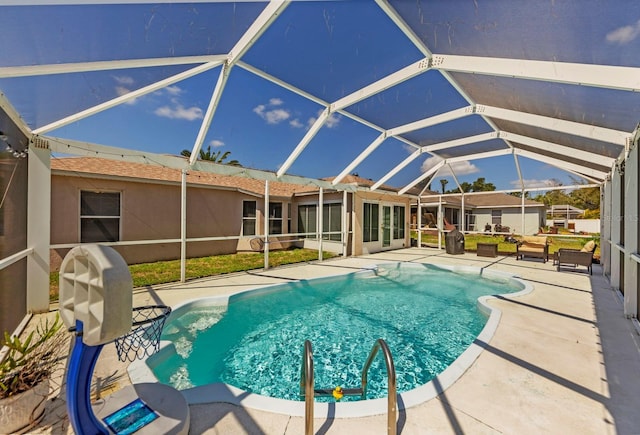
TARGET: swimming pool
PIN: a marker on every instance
(427, 315)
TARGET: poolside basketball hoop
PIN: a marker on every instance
(96, 294)
(144, 338)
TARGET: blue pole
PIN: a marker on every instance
(79, 373)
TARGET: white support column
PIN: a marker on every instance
(631, 213)
(38, 228)
(419, 221)
(266, 224)
(345, 224)
(320, 221)
(605, 223)
(440, 222)
(522, 214)
(183, 226)
(462, 219)
(616, 187)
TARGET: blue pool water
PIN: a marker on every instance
(427, 315)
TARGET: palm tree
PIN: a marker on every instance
(444, 183)
(216, 157)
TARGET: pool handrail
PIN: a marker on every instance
(392, 398)
(307, 387)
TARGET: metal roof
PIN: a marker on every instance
(423, 84)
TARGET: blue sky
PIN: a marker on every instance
(328, 49)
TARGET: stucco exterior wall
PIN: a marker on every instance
(151, 211)
(512, 218)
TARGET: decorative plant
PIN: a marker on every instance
(29, 362)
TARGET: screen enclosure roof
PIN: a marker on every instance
(399, 92)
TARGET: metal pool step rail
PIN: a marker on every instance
(308, 390)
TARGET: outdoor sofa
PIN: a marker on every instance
(533, 246)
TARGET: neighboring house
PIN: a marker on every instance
(482, 210)
(98, 200)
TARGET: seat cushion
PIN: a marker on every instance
(589, 246)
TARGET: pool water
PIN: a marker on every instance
(427, 315)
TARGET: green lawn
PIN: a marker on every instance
(169, 271)
(471, 242)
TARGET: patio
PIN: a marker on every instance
(559, 361)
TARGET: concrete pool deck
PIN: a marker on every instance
(563, 359)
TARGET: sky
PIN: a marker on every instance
(328, 50)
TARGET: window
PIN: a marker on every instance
(275, 218)
(307, 219)
(370, 227)
(496, 217)
(99, 216)
(332, 221)
(398, 222)
(248, 218)
(288, 217)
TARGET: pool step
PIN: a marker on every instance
(328, 392)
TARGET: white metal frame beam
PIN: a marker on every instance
(394, 132)
(601, 76)
(127, 97)
(432, 120)
(257, 28)
(558, 149)
(363, 155)
(478, 156)
(425, 175)
(79, 67)
(592, 173)
(317, 125)
(575, 128)
(460, 142)
(397, 169)
(387, 82)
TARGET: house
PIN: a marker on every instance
(496, 211)
(137, 207)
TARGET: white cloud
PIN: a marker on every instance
(276, 116)
(459, 168)
(534, 183)
(625, 34)
(173, 90)
(296, 123)
(216, 143)
(124, 80)
(179, 112)
(271, 115)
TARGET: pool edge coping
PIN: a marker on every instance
(139, 371)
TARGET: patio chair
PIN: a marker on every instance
(575, 257)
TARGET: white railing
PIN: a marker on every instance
(8, 261)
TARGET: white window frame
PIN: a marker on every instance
(374, 231)
(315, 214)
(397, 224)
(326, 222)
(250, 218)
(273, 208)
(102, 217)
